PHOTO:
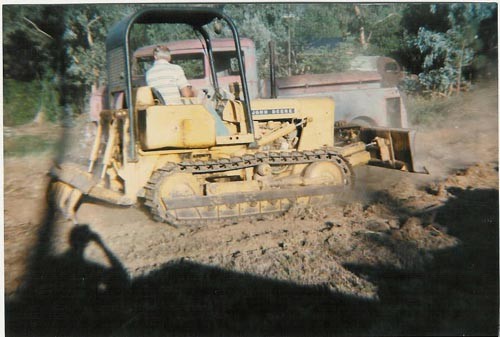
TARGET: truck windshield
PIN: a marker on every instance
(192, 64)
(226, 64)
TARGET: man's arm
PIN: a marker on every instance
(183, 84)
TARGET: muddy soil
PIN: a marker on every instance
(404, 254)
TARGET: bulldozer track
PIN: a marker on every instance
(285, 197)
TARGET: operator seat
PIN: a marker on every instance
(157, 95)
(144, 98)
(149, 96)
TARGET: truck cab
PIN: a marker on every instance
(192, 56)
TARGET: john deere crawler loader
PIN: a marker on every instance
(222, 156)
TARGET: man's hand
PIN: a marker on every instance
(84, 234)
(187, 92)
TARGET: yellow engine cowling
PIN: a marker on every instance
(315, 114)
(177, 126)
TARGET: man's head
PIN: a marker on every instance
(162, 53)
(80, 237)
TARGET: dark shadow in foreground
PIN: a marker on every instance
(74, 297)
(457, 293)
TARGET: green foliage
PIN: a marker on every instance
(325, 60)
(431, 111)
(192, 68)
(263, 23)
(302, 25)
(28, 144)
(33, 62)
(441, 54)
(85, 36)
(411, 86)
(445, 55)
(385, 33)
(323, 20)
(30, 37)
(21, 101)
(50, 100)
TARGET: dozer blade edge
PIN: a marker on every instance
(391, 148)
(77, 178)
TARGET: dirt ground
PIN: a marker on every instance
(403, 255)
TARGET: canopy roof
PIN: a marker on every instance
(196, 17)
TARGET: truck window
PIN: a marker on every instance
(391, 67)
(142, 65)
(192, 64)
(226, 63)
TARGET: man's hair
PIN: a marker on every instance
(162, 52)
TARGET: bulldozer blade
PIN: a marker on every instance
(391, 148)
(66, 198)
(77, 178)
(73, 175)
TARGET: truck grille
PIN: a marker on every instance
(116, 69)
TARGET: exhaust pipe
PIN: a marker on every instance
(272, 70)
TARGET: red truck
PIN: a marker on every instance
(192, 57)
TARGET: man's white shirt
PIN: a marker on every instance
(168, 79)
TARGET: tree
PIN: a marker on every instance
(385, 33)
(32, 53)
(446, 54)
(263, 23)
(85, 36)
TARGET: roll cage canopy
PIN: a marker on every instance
(195, 17)
(118, 41)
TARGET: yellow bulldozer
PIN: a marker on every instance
(221, 156)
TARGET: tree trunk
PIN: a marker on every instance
(40, 117)
(362, 39)
(459, 68)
